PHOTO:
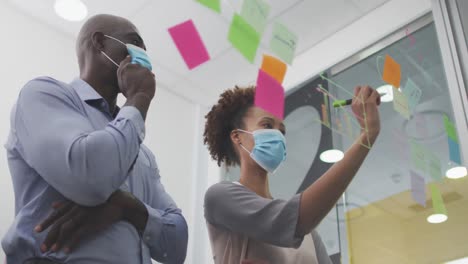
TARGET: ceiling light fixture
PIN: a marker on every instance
(71, 10)
(331, 156)
(456, 172)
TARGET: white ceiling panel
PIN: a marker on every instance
(44, 11)
(315, 20)
(368, 5)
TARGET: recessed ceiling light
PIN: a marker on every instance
(331, 156)
(456, 172)
(71, 10)
(386, 89)
(437, 218)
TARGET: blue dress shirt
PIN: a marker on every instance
(65, 144)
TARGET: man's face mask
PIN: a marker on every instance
(138, 54)
(269, 150)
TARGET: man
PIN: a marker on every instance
(71, 146)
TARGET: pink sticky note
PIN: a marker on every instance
(189, 43)
(269, 95)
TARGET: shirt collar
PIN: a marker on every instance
(85, 91)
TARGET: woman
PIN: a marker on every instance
(245, 223)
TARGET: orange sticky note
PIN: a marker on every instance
(391, 72)
(274, 67)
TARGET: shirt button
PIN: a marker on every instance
(147, 238)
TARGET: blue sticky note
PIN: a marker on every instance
(454, 151)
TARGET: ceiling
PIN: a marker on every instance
(311, 20)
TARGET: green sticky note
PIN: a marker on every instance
(434, 166)
(256, 12)
(450, 129)
(215, 5)
(283, 43)
(244, 37)
(418, 156)
(437, 200)
(400, 103)
(412, 93)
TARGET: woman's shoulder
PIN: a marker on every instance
(220, 189)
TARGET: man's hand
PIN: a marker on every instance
(135, 80)
(71, 223)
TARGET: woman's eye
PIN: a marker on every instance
(267, 125)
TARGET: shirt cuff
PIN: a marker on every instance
(133, 114)
(166, 235)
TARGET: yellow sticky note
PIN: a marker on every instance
(274, 67)
(391, 72)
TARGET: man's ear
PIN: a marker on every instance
(97, 38)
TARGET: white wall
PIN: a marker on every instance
(29, 49)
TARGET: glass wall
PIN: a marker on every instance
(402, 187)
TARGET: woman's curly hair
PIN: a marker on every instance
(224, 117)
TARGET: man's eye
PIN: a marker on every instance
(267, 125)
(135, 42)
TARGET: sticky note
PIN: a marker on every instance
(269, 95)
(418, 156)
(400, 103)
(189, 43)
(434, 166)
(437, 200)
(450, 129)
(274, 67)
(244, 37)
(412, 93)
(454, 151)
(215, 5)
(391, 72)
(256, 12)
(283, 43)
(418, 188)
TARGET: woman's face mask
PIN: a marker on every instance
(269, 150)
(138, 54)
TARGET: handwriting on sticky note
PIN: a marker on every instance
(190, 45)
(244, 37)
(418, 188)
(269, 95)
(215, 5)
(400, 103)
(391, 72)
(413, 94)
(274, 67)
(437, 200)
(256, 12)
(283, 43)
